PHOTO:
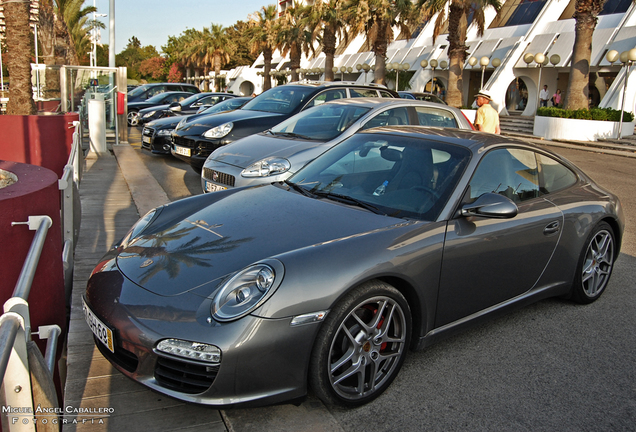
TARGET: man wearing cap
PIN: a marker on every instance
(487, 118)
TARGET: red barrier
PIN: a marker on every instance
(43, 140)
(121, 102)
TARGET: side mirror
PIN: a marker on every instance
(491, 205)
(175, 106)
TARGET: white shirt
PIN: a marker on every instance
(544, 94)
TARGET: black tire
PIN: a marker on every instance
(368, 333)
(595, 265)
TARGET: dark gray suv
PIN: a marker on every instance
(195, 138)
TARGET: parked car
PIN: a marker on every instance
(156, 134)
(164, 99)
(194, 140)
(428, 97)
(279, 152)
(393, 239)
(186, 106)
(147, 91)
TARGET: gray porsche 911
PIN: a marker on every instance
(389, 241)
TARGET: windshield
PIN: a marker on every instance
(157, 98)
(137, 91)
(226, 105)
(191, 99)
(322, 123)
(396, 175)
(282, 100)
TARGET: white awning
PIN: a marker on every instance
(540, 44)
(624, 41)
(599, 42)
(563, 47)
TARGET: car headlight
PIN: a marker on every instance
(267, 167)
(149, 114)
(139, 227)
(219, 131)
(181, 124)
(244, 292)
(164, 132)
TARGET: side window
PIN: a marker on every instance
(390, 117)
(555, 176)
(327, 96)
(509, 172)
(429, 116)
(386, 94)
(362, 93)
(209, 100)
(189, 89)
(156, 90)
(173, 98)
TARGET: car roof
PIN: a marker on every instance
(472, 140)
(375, 101)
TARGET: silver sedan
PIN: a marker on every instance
(276, 154)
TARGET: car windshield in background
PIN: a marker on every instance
(282, 100)
(137, 90)
(191, 100)
(156, 98)
(322, 123)
(226, 105)
(389, 174)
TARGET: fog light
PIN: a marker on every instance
(166, 147)
(190, 350)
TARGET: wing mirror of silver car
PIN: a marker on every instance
(491, 205)
(175, 106)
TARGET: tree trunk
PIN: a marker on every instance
(46, 40)
(329, 48)
(294, 60)
(577, 95)
(267, 80)
(19, 46)
(206, 79)
(380, 46)
(217, 72)
(457, 51)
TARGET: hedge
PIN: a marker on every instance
(603, 114)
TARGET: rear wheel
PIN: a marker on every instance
(361, 345)
(595, 265)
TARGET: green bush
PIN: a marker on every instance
(603, 114)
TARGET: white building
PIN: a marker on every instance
(521, 27)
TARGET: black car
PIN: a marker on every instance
(194, 139)
(147, 91)
(183, 107)
(428, 97)
(164, 99)
(156, 134)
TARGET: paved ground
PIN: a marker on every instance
(551, 366)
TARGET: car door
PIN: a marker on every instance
(489, 261)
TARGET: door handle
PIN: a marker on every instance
(552, 227)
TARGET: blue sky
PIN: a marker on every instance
(152, 21)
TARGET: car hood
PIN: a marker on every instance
(239, 228)
(199, 124)
(165, 123)
(246, 151)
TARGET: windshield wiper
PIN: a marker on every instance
(350, 200)
(300, 189)
(291, 135)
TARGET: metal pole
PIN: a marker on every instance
(483, 69)
(539, 88)
(41, 224)
(433, 82)
(111, 34)
(1, 74)
(620, 124)
(37, 61)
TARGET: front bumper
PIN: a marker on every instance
(159, 144)
(263, 361)
(217, 176)
(194, 149)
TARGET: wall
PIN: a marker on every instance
(43, 140)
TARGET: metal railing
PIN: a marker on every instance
(16, 346)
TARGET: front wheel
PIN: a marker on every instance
(133, 118)
(595, 265)
(361, 345)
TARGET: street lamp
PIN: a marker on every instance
(434, 65)
(627, 58)
(483, 62)
(342, 71)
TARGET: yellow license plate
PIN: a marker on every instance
(99, 329)
(184, 151)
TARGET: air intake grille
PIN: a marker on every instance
(185, 377)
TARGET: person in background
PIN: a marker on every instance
(544, 95)
(486, 118)
(556, 98)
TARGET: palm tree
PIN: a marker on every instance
(376, 19)
(19, 47)
(263, 38)
(459, 11)
(326, 22)
(293, 37)
(586, 16)
(218, 49)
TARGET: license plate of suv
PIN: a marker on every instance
(184, 151)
